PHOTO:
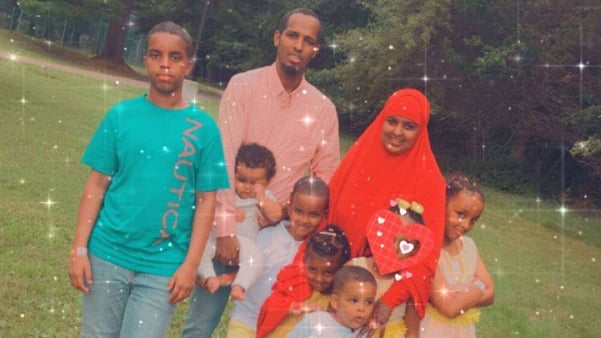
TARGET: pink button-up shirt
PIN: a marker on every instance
(300, 128)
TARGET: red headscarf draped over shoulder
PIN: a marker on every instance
(369, 177)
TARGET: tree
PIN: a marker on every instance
(114, 43)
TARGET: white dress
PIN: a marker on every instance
(458, 271)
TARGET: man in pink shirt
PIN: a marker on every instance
(276, 107)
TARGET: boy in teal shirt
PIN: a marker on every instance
(149, 201)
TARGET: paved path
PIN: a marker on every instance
(90, 73)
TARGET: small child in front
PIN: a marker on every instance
(326, 252)
(254, 168)
(403, 321)
(149, 202)
(352, 302)
(278, 245)
(462, 283)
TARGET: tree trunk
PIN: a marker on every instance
(117, 32)
(201, 26)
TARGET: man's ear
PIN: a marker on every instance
(276, 38)
(315, 51)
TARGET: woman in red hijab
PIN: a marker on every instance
(391, 159)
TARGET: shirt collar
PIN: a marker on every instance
(276, 87)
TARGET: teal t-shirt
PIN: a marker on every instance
(158, 159)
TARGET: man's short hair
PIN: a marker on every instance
(175, 29)
(306, 11)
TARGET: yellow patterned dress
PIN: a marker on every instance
(458, 271)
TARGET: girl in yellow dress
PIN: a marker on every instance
(462, 283)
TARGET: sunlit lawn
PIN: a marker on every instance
(547, 282)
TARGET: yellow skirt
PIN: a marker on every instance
(470, 317)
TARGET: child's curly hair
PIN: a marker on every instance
(330, 242)
(254, 155)
(457, 182)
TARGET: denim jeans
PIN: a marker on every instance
(205, 308)
(123, 303)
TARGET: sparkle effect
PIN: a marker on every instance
(49, 203)
(542, 280)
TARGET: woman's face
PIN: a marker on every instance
(399, 134)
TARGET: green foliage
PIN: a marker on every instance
(377, 58)
(587, 147)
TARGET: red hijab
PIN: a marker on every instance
(368, 178)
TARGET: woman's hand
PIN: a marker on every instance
(379, 317)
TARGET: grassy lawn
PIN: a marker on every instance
(545, 263)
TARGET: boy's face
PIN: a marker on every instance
(354, 303)
(320, 271)
(246, 178)
(306, 212)
(166, 62)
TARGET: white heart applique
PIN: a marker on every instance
(379, 234)
(406, 247)
(397, 277)
(381, 220)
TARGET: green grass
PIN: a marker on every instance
(545, 264)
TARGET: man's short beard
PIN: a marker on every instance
(291, 70)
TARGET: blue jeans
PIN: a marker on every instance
(123, 303)
(205, 308)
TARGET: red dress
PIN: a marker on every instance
(368, 178)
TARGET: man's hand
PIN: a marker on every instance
(226, 250)
(182, 283)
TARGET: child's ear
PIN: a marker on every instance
(334, 301)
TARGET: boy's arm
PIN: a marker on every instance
(488, 294)
(452, 303)
(183, 281)
(80, 272)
